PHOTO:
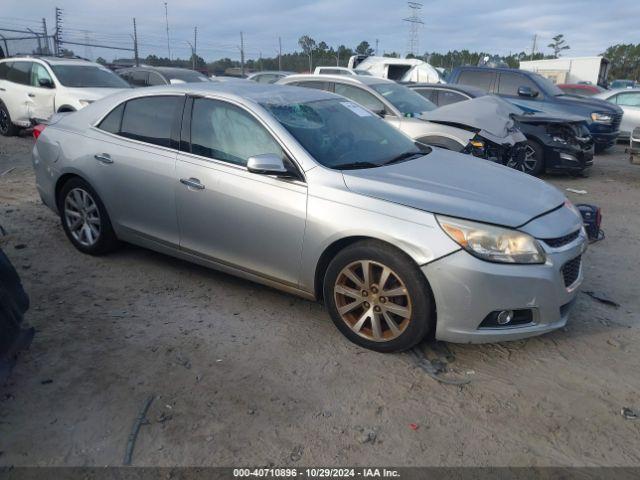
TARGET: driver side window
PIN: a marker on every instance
(225, 132)
(38, 72)
(360, 96)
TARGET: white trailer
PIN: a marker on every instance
(399, 69)
(571, 70)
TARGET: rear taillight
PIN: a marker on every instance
(37, 130)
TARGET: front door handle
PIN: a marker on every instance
(103, 157)
(31, 95)
(192, 183)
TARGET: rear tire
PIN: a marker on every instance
(387, 309)
(84, 218)
(7, 128)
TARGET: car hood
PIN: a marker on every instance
(458, 185)
(490, 115)
(92, 93)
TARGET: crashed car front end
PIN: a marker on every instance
(568, 145)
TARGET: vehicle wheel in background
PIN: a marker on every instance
(7, 128)
(378, 297)
(84, 218)
(532, 162)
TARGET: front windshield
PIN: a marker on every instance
(343, 135)
(187, 76)
(404, 99)
(88, 76)
(549, 86)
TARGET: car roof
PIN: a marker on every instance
(468, 89)
(615, 91)
(271, 72)
(52, 60)
(492, 69)
(352, 79)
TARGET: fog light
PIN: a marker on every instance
(505, 317)
(568, 157)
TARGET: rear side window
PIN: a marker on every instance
(429, 93)
(4, 68)
(476, 78)
(111, 123)
(446, 97)
(328, 86)
(20, 72)
(155, 79)
(511, 82)
(138, 78)
(151, 119)
(225, 132)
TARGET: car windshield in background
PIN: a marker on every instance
(343, 135)
(404, 99)
(88, 76)
(187, 76)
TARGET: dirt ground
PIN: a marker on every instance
(246, 375)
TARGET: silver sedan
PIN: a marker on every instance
(310, 193)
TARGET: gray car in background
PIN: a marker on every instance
(629, 100)
(308, 192)
(484, 130)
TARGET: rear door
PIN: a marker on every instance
(227, 214)
(133, 164)
(18, 97)
(484, 79)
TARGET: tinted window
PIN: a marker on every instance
(628, 99)
(340, 134)
(447, 97)
(360, 96)
(138, 78)
(38, 72)
(476, 79)
(404, 99)
(85, 76)
(328, 86)
(428, 93)
(150, 119)
(111, 123)
(4, 68)
(225, 132)
(20, 72)
(511, 82)
(266, 78)
(155, 79)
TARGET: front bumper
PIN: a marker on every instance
(467, 289)
(558, 157)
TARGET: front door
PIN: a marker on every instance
(227, 214)
(42, 96)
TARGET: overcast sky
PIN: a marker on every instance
(500, 26)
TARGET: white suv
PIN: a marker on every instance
(38, 87)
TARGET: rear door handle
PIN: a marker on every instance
(192, 183)
(103, 157)
(31, 95)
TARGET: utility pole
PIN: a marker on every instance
(46, 37)
(533, 46)
(195, 46)
(280, 53)
(58, 36)
(241, 54)
(135, 43)
(166, 20)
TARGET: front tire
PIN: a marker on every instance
(84, 218)
(378, 297)
(7, 128)
(532, 162)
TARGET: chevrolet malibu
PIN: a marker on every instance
(308, 192)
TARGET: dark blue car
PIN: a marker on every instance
(535, 93)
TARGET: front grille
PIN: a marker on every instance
(571, 271)
(561, 241)
(617, 118)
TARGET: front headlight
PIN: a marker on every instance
(601, 117)
(558, 139)
(494, 244)
(84, 103)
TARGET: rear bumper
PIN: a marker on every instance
(467, 289)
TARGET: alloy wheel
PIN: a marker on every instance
(82, 217)
(372, 300)
(4, 121)
(525, 163)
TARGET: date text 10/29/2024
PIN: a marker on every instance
(315, 472)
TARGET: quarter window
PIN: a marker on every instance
(111, 123)
(225, 132)
(151, 119)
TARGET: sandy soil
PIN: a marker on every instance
(245, 375)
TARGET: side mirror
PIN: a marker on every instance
(45, 83)
(176, 81)
(527, 92)
(267, 164)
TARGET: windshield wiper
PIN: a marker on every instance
(405, 156)
(356, 165)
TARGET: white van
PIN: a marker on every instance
(398, 69)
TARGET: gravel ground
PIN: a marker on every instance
(246, 375)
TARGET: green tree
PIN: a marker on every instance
(307, 44)
(624, 61)
(101, 61)
(558, 45)
(364, 48)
